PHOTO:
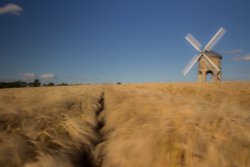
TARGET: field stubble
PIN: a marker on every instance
(142, 125)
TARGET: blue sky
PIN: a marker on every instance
(119, 40)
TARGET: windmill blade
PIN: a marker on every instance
(196, 44)
(210, 61)
(215, 39)
(191, 64)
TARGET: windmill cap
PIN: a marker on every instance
(213, 54)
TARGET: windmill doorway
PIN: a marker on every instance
(209, 76)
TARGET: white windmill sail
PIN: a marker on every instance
(191, 64)
(196, 44)
(215, 39)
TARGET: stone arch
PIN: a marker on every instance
(210, 76)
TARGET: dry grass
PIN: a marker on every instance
(48, 126)
(177, 125)
(142, 125)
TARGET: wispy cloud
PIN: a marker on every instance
(47, 76)
(238, 54)
(11, 8)
(242, 58)
(233, 52)
(29, 75)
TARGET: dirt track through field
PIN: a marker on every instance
(97, 162)
(87, 159)
(100, 120)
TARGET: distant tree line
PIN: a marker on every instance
(16, 84)
(21, 84)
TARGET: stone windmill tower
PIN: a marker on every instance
(204, 68)
(209, 61)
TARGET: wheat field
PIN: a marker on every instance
(128, 125)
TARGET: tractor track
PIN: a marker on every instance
(87, 157)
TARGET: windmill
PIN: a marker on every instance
(209, 61)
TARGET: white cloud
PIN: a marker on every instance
(11, 8)
(29, 75)
(233, 52)
(242, 58)
(47, 76)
